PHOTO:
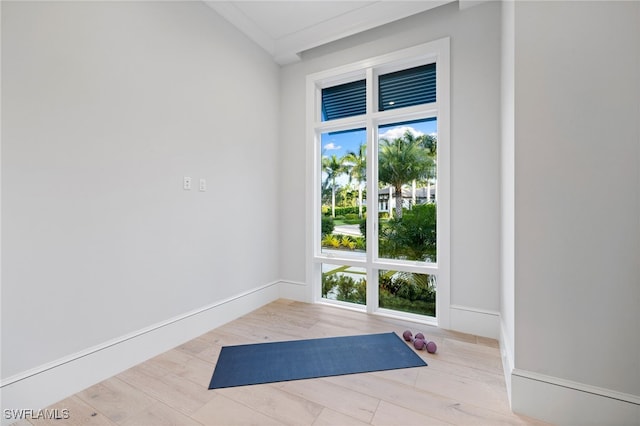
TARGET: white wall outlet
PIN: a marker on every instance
(186, 183)
(203, 184)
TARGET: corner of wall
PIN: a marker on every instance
(479, 322)
(506, 354)
(295, 290)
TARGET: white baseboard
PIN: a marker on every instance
(475, 321)
(564, 402)
(295, 290)
(50, 383)
(462, 318)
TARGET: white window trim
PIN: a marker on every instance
(437, 51)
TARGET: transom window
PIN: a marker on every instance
(378, 164)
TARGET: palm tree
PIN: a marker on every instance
(333, 167)
(358, 170)
(430, 143)
(401, 161)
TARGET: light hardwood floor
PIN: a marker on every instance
(462, 385)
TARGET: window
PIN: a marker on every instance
(378, 164)
(413, 86)
(344, 100)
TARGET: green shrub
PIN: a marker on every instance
(408, 292)
(404, 292)
(347, 242)
(412, 237)
(327, 225)
(329, 282)
(363, 227)
(350, 290)
(420, 307)
(330, 241)
(346, 288)
(343, 211)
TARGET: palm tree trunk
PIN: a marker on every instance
(360, 200)
(333, 200)
(413, 192)
(398, 190)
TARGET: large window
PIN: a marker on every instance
(378, 145)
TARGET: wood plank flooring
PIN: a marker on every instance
(463, 384)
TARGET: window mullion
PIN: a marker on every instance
(406, 114)
(340, 124)
(372, 193)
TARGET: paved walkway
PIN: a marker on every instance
(351, 230)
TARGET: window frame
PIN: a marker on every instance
(436, 51)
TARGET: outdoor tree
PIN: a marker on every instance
(401, 161)
(430, 143)
(333, 167)
(357, 170)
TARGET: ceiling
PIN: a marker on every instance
(286, 28)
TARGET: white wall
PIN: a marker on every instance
(106, 106)
(577, 210)
(475, 140)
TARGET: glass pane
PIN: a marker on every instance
(344, 100)
(343, 192)
(407, 292)
(413, 86)
(407, 190)
(344, 283)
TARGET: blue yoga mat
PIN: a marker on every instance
(305, 359)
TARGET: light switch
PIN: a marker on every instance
(203, 184)
(186, 183)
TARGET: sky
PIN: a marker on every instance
(339, 143)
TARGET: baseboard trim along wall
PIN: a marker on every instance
(565, 402)
(464, 319)
(295, 290)
(476, 321)
(46, 384)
